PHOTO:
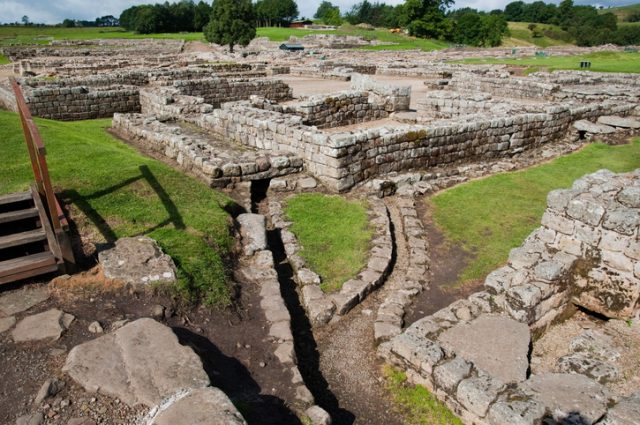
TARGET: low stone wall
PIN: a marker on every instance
(357, 68)
(393, 98)
(522, 88)
(216, 91)
(473, 354)
(447, 104)
(341, 160)
(321, 306)
(80, 103)
(336, 110)
(217, 163)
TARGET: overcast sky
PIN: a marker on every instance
(54, 11)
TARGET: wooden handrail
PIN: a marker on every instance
(37, 154)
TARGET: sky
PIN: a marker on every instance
(55, 11)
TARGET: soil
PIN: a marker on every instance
(447, 261)
(232, 345)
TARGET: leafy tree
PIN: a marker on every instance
(276, 12)
(514, 11)
(68, 23)
(25, 20)
(201, 15)
(426, 18)
(328, 13)
(232, 22)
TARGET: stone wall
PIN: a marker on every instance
(80, 103)
(341, 160)
(504, 87)
(216, 91)
(394, 98)
(338, 109)
(473, 354)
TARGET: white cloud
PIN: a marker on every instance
(54, 11)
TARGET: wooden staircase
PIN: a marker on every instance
(33, 230)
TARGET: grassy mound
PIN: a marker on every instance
(334, 234)
(521, 35)
(491, 216)
(124, 194)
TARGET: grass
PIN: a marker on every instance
(418, 404)
(403, 41)
(42, 35)
(622, 12)
(627, 62)
(4, 60)
(334, 233)
(491, 216)
(124, 194)
(522, 36)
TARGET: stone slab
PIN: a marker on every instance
(7, 323)
(569, 396)
(590, 127)
(254, 232)
(626, 412)
(202, 406)
(138, 261)
(15, 302)
(48, 325)
(140, 363)
(495, 344)
(614, 121)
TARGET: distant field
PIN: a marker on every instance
(403, 41)
(42, 35)
(622, 11)
(600, 62)
(522, 36)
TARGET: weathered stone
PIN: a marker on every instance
(476, 394)
(618, 121)
(254, 232)
(499, 280)
(95, 328)
(495, 344)
(36, 418)
(569, 397)
(202, 406)
(585, 364)
(304, 395)
(308, 277)
(318, 416)
(7, 323)
(589, 127)
(595, 344)
(17, 301)
(520, 411)
(137, 260)
(622, 220)
(121, 364)
(384, 331)
(307, 183)
(81, 421)
(587, 211)
(626, 412)
(422, 353)
(50, 388)
(286, 353)
(48, 325)
(281, 331)
(319, 307)
(449, 374)
(630, 196)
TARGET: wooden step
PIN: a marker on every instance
(22, 238)
(18, 215)
(15, 197)
(28, 266)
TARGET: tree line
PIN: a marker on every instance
(234, 21)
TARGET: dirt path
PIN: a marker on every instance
(348, 353)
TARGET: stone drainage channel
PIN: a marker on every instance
(337, 361)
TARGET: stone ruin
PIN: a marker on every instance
(398, 117)
(474, 354)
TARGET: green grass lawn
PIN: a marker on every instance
(403, 41)
(419, 406)
(521, 35)
(42, 35)
(334, 234)
(491, 216)
(600, 62)
(125, 193)
(4, 60)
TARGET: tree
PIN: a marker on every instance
(426, 18)
(232, 22)
(276, 12)
(201, 15)
(25, 20)
(328, 13)
(68, 23)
